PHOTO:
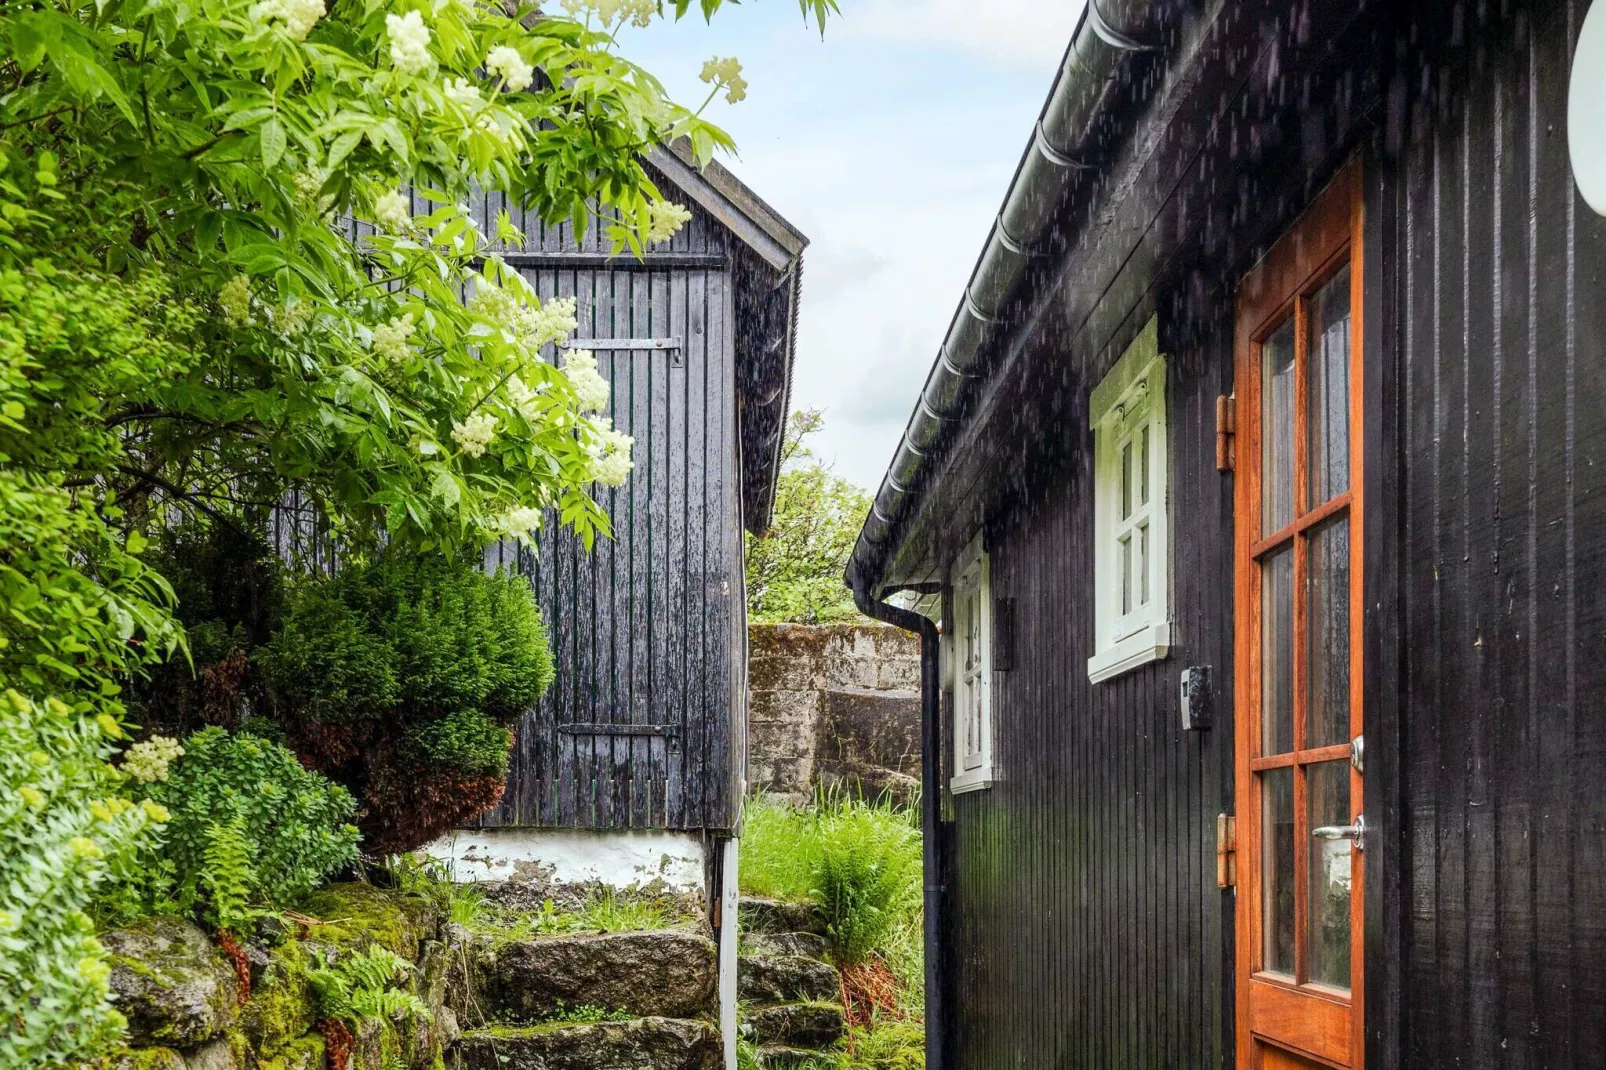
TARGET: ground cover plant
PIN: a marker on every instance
(859, 863)
(190, 324)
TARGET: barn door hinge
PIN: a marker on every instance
(1226, 431)
(1226, 851)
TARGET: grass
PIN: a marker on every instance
(859, 863)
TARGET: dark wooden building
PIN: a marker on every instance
(645, 725)
(1262, 479)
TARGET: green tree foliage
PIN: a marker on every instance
(794, 571)
(402, 678)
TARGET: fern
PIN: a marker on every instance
(366, 985)
(227, 875)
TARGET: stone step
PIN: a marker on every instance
(665, 973)
(759, 915)
(809, 945)
(785, 979)
(797, 1025)
(650, 1043)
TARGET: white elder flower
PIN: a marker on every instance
(234, 299)
(521, 523)
(505, 60)
(494, 304)
(726, 72)
(610, 457)
(292, 319)
(464, 93)
(298, 16)
(393, 211)
(664, 219)
(409, 43)
(636, 12)
(552, 322)
(475, 433)
(147, 762)
(523, 399)
(590, 388)
(390, 338)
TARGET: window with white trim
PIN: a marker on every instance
(973, 664)
(1131, 512)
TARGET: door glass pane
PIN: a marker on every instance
(1328, 414)
(1125, 556)
(1327, 785)
(1327, 617)
(1277, 870)
(1143, 465)
(1143, 564)
(1277, 652)
(1126, 479)
(1277, 429)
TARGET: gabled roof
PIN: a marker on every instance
(767, 274)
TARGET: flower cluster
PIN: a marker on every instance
(147, 762)
(234, 300)
(475, 433)
(520, 523)
(393, 211)
(726, 73)
(505, 61)
(292, 319)
(409, 43)
(523, 398)
(464, 93)
(664, 219)
(298, 16)
(610, 455)
(590, 388)
(636, 12)
(390, 338)
(533, 325)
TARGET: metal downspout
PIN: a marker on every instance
(930, 809)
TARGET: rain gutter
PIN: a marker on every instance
(1065, 138)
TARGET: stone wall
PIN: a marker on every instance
(833, 706)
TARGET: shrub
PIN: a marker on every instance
(63, 830)
(869, 875)
(250, 829)
(890, 1045)
(402, 678)
(366, 984)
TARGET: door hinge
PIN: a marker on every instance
(1226, 431)
(1226, 851)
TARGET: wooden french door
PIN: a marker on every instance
(1298, 739)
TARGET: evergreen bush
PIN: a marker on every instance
(402, 678)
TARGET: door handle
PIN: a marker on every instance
(1356, 832)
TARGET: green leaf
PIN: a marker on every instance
(273, 142)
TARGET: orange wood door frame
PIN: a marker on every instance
(1282, 1022)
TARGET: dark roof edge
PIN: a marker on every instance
(729, 200)
(1069, 126)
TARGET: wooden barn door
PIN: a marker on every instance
(1299, 755)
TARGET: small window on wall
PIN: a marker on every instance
(973, 665)
(1131, 528)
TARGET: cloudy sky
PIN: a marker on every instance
(890, 144)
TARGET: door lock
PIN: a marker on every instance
(1356, 832)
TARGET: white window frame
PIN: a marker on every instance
(1131, 533)
(972, 661)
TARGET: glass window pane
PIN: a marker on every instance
(1277, 652)
(1328, 412)
(1327, 785)
(1277, 870)
(1126, 479)
(1143, 466)
(1277, 429)
(1125, 557)
(1143, 564)
(1327, 616)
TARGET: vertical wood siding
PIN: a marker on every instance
(642, 627)
(1502, 336)
(1088, 928)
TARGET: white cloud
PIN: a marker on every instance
(1033, 32)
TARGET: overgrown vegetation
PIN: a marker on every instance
(859, 863)
(189, 326)
(365, 984)
(794, 571)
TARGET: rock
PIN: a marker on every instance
(141, 1059)
(355, 916)
(669, 972)
(225, 1053)
(810, 945)
(303, 1053)
(176, 989)
(784, 979)
(798, 1025)
(641, 1044)
(775, 1057)
(778, 916)
(282, 1007)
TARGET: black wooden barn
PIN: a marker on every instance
(645, 725)
(1262, 479)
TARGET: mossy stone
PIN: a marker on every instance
(174, 986)
(355, 916)
(282, 1008)
(141, 1059)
